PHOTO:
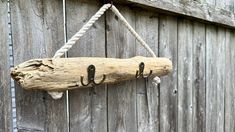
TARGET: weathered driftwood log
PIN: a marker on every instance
(65, 73)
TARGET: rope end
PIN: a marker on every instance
(56, 95)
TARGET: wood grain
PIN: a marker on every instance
(199, 77)
(168, 33)
(215, 43)
(88, 107)
(201, 11)
(37, 28)
(5, 88)
(229, 125)
(121, 97)
(185, 43)
(62, 74)
(147, 95)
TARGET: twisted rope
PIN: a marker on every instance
(87, 26)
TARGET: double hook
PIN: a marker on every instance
(140, 73)
(91, 77)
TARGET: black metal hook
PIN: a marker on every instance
(140, 73)
(91, 77)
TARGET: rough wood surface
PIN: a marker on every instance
(229, 5)
(199, 78)
(229, 125)
(5, 88)
(37, 28)
(193, 9)
(147, 97)
(168, 88)
(88, 107)
(62, 74)
(185, 68)
(215, 52)
(121, 98)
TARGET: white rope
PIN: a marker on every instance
(142, 42)
(88, 25)
(81, 32)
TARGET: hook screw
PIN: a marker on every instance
(91, 77)
(140, 73)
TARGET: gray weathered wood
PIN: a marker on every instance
(5, 88)
(210, 2)
(121, 97)
(192, 9)
(229, 124)
(229, 5)
(88, 107)
(37, 28)
(215, 69)
(185, 40)
(220, 4)
(225, 4)
(147, 95)
(168, 88)
(199, 78)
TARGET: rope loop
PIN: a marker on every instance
(87, 26)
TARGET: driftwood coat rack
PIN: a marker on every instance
(56, 74)
(70, 73)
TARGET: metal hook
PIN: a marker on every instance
(91, 77)
(140, 73)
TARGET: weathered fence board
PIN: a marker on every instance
(215, 43)
(199, 78)
(229, 125)
(121, 97)
(37, 28)
(5, 88)
(205, 10)
(168, 88)
(185, 40)
(88, 107)
(147, 100)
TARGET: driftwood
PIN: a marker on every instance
(65, 73)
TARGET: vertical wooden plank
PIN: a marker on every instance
(229, 124)
(199, 77)
(215, 68)
(88, 107)
(185, 75)
(229, 82)
(5, 88)
(37, 28)
(54, 39)
(147, 94)
(122, 96)
(168, 87)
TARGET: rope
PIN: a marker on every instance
(87, 26)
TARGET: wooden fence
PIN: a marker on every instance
(198, 36)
